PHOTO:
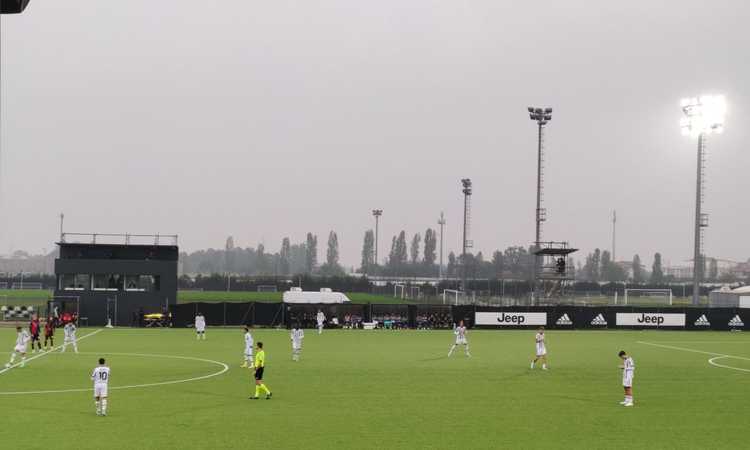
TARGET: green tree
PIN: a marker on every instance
(368, 251)
(637, 270)
(430, 246)
(284, 255)
(311, 253)
(415, 243)
(498, 263)
(713, 269)
(657, 275)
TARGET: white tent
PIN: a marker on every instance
(325, 295)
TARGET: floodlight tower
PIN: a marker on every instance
(377, 213)
(703, 115)
(441, 222)
(467, 190)
(541, 116)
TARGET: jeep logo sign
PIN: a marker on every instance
(510, 319)
(650, 320)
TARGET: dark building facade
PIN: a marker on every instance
(115, 281)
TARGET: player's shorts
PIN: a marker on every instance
(100, 390)
(20, 349)
(259, 373)
(627, 379)
(35, 337)
(461, 341)
(296, 345)
(541, 350)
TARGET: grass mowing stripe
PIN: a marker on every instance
(50, 351)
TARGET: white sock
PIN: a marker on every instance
(98, 406)
(104, 405)
(453, 347)
(544, 366)
(12, 357)
(23, 360)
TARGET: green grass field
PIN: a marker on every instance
(383, 389)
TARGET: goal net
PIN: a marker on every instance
(647, 297)
(404, 291)
(453, 296)
(267, 288)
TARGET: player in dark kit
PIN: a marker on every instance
(49, 333)
(35, 327)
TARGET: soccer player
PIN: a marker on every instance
(297, 335)
(248, 349)
(200, 327)
(541, 349)
(49, 333)
(628, 368)
(69, 331)
(35, 327)
(320, 318)
(460, 332)
(22, 340)
(260, 365)
(100, 377)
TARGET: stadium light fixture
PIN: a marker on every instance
(541, 116)
(704, 115)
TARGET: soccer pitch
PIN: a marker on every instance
(382, 389)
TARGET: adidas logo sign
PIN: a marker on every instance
(599, 320)
(702, 321)
(736, 321)
(564, 320)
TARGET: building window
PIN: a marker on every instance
(141, 283)
(74, 282)
(107, 282)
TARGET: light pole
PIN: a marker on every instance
(377, 213)
(703, 115)
(541, 116)
(467, 190)
(441, 222)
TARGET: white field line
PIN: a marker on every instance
(50, 351)
(224, 368)
(711, 361)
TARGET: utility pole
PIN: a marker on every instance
(441, 222)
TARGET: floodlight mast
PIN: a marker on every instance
(703, 115)
(377, 213)
(441, 222)
(467, 191)
(541, 116)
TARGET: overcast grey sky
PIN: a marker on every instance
(269, 119)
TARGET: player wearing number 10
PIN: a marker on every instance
(100, 377)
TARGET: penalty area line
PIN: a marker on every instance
(49, 351)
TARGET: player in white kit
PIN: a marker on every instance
(248, 349)
(22, 339)
(320, 318)
(69, 331)
(628, 369)
(541, 349)
(200, 326)
(100, 377)
(297, 335)
(460, 332)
